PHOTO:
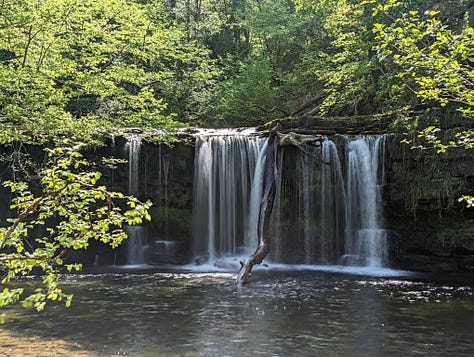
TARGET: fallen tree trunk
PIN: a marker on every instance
(276, 142)
(266, 207)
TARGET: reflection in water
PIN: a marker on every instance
(281, 313)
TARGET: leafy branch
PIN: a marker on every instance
(74, 210)
(434, 62)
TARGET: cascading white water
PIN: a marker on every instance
(251, 238)
(333, 199)
(330, 212)
(135, 241)
(227, 187)
(365, 238)
(133, 147)
(277, 250)
(305, 169)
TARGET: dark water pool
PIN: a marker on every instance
(280, 313)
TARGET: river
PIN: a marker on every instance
(283, 312)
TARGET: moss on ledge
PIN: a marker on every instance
(355, 125)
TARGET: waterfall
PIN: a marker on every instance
(365, 238)
(251, 237)
(227, 193)
(133, 146)
(306, 177)
(327, 209)
(135, 241)
(277, 214)
(333, 199)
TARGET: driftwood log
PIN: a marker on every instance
(276, 142)
(266, 207)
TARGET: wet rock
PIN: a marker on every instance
(226, 264)
(467, 263)
(413, 262)
(201, 260)
(445, 267)
(351, 259)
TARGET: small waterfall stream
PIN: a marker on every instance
(251, 238)
(365, 237)
(333, 200)
(135, 241)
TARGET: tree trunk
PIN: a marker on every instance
(276, 142)
(266, 207)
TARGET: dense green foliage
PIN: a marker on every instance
(151, 63)
(299, 58)
(286, 58)
(434, 60)
(68, 68)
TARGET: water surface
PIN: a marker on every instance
(280, 313)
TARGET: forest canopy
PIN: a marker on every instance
(69, 67)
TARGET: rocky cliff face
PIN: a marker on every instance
(430, 229)
(164, 175)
